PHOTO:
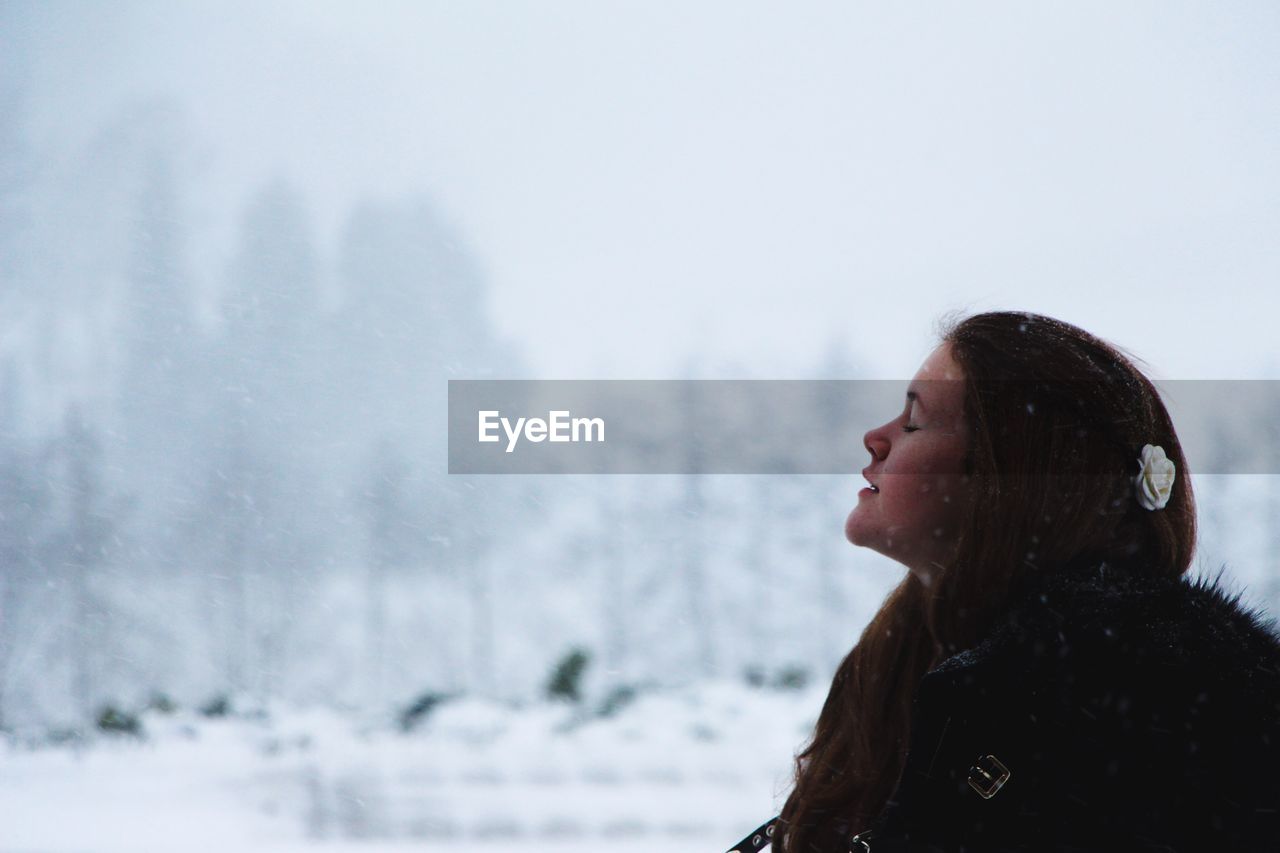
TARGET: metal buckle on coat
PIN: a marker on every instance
(859, 843)
(987, 776)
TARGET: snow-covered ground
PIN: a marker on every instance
(692, 768)
(689, 769)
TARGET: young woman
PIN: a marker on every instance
(1044, 678)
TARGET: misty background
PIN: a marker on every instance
(243, 247)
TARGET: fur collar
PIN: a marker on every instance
(1182, 622)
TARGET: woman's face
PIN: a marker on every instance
(917, 462)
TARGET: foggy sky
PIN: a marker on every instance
(741, 180)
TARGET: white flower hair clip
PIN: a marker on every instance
(1154, 482)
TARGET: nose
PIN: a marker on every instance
(876, 443)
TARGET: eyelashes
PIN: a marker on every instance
(909, 428)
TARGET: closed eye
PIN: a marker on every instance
(909, 428)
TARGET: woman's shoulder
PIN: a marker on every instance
(1129, 661)
(1144, 702)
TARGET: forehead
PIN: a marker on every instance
(939, 383)
(940, 365)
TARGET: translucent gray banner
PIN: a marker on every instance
(722, 426)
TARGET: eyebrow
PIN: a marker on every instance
(912, 396)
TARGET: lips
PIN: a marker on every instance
(873, 486)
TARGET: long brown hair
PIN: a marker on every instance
(1057, 420)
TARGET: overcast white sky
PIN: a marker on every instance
(758, 176)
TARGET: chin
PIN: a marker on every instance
(853, 530)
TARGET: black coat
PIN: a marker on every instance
(1104, 712)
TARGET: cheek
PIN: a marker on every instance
(944, 460)
(949, 498)
(924, 501)
(901, 506)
